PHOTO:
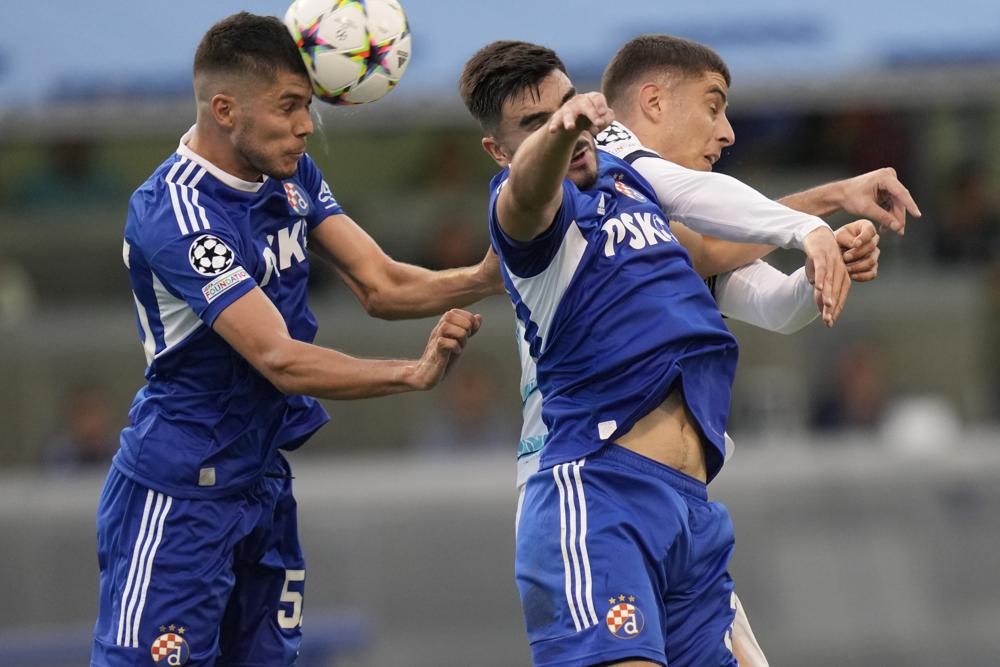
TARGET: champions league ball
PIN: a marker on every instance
(355, 50)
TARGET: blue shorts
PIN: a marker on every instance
(621, 557)
(199, 582)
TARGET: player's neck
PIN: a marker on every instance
(643, 130)
(217, 149)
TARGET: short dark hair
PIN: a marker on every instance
(647, 53)
(247, 44)
(498, 72)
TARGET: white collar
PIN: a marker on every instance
(225, 177)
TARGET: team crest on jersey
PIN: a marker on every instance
(209, 256)
(624, 619)
(170, 648)
(296, 199)
(629, 192)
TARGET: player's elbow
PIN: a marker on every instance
(380, 305)
(278, 364)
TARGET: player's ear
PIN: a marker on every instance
(223, 109)
(496, 151)
(651, 101)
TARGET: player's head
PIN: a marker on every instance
(672, 94)
(252, 86)
(512, 88)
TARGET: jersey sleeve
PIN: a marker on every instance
(765, 297)
(324, 203)
(203, 268)
(619, 141)
(526, 259)
(719, 205)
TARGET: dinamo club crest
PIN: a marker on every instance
(629, 192)
(296, 199)
(170, 649)
(624, 619)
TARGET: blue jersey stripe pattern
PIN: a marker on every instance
(615, 317)
(197, 239)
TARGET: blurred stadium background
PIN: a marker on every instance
(864, 490)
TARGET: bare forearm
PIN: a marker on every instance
(418, 292)
(819, 201)
(301, 368)
(719, 256)
(538, 169)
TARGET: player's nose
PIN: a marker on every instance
(727, 136)
(303, 124)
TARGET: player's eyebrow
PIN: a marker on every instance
(533, 118)
(715, 89)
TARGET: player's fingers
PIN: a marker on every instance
(830, 288)
(453, 331)
(901, 194)
(559, 121)
(477, 323)
(586, 109)
(447, 346)
(862, 251)
(837, 277)
(865, 276)
(459, 317)
(866, 232)
(878, 213)
(866, 266)
(845, 288)
(599, 102)
(605, 114)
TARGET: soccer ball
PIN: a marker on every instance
(355, 50)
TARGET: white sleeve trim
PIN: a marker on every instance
(719, 205)
(763, 296)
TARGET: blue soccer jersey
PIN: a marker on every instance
(615, 317)
(196, 240)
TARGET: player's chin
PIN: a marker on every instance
(584, 176)
(283, 169)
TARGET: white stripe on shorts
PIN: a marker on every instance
(573, 533)
(141, 567)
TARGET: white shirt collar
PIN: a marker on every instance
(225, 177)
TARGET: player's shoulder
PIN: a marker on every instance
(175, 201)
(498, 180)
(619, 141)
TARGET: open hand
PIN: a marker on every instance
(827, 272)
(879, 196)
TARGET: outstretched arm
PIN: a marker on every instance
(877, 195)
(395, 290)
(255, 329)
(533, 192)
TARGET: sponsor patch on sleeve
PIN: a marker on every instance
(224, 283)
(326, 197)
(619, 141)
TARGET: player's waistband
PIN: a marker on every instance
(679, 481)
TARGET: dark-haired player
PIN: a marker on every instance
(670, 94)
(620, 558)
(197, 542)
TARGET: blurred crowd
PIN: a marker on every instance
(429, 211)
